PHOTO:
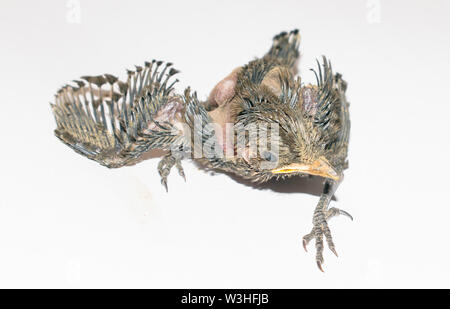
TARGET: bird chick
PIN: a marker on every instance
(260, 122)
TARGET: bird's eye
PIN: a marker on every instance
(269, 156)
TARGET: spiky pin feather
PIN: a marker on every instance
(114, 122)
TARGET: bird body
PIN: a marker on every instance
(259, 122)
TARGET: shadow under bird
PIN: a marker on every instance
(114, 122)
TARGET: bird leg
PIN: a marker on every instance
(320, 222)
(166, 164)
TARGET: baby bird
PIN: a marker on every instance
(259, 122)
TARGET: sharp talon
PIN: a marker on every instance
(320, 266)
(321, 230)
(180, 170)
(164, 183)
(343, 212)
(334, 251)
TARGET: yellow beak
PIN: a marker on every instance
(319, 167)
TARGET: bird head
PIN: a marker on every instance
(282, 137)
(279, 142)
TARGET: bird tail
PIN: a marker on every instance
(285, 48)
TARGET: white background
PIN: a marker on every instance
(66, 221)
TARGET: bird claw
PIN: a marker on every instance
(344, 213)
(319, 264)
(320, 230)
(180, 170)
(164, 183)
(334, 251)
(306, 239)
(304, 245)
(164, 167)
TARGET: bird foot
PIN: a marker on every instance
(165, 165)
(321, 229)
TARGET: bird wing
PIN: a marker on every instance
(328, 107)
(114, 122)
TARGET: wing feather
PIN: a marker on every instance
(114, 122)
